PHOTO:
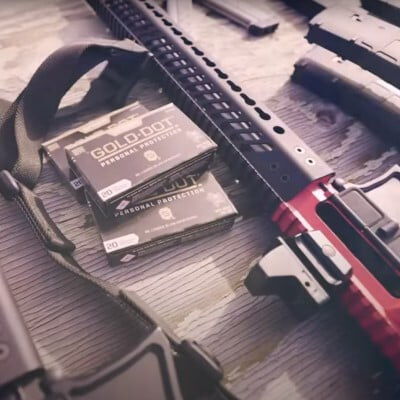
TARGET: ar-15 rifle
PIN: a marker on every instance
(337, 240)
(152, 370)
(23, 375)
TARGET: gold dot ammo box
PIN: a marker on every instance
(189, 208)
(125, 164)
(55, 148)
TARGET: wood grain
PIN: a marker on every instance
(197, 287)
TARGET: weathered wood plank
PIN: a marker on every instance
(196, 287)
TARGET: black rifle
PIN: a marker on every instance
(358, 36)
(160, 366)
(388, 10)
(318, 222)
(149, 369)
(357, 91)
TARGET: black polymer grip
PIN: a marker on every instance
(258, 146)
(18, 356)
(357, 91)
(356, 35)
(388, 10)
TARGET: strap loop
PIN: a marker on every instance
(26, 122)
(47, 230)
(34, 210)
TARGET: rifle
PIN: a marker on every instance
(358, 36)
(359, 92)
(318, 217)
(159, 367)
(388, 10)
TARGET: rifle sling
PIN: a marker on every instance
(23, 127)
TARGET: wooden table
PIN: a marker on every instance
(197, 288)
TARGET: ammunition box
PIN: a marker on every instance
(124, 165)
(189, 208)
(55, 148)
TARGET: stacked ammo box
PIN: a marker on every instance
(145, 175)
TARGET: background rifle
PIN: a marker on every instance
(148, 369)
